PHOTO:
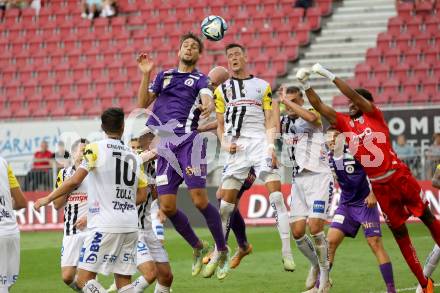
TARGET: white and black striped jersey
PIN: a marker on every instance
(242, 102)
(76, 202)
(287, 134)
(306, 144)
(144, 215)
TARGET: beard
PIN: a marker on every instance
(190, 62)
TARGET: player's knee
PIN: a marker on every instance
(150, 275)
(168, 209)
(315, 229)
(226, 208)
(375, 243)
(298, 233)
(68, 277)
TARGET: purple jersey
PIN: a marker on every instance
(178, 98)
(351, 178)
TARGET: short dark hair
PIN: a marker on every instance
(77, 142)
(294, 90)
(134, 139)
(234, 45)
(112, 120)
(365, 93)
(191, 35)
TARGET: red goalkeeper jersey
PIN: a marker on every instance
(369, 140)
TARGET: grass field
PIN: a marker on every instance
(355, 269)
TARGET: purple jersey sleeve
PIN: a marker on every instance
(156, 85)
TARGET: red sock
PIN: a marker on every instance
(434, 228)
(410, 255)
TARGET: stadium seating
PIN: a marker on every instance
(58, 64)
(404, 66)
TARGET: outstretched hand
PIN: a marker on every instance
(145, 63)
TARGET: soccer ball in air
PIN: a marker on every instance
(214, 27)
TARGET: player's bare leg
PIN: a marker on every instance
(68, 275)
(181, 223)
(307, 248)
(164, 278)
(334, 238)
(123, 283)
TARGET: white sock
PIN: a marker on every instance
(140, 284)
(282, 218)
(74, 286)
(161, 288)
(432, 261)
(92, 286)
(226, 209)
(305, 245)
(321, 248)
(126, 289)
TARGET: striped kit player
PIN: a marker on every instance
(75, 216)
(116, 184)
(11, 198)
(246, 128)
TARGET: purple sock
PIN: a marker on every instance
(183, 227)
(214, 223)
(386, 270)
(238, 225)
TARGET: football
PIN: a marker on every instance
(213, 27)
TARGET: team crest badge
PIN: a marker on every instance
(189, 82)
(361, 120)
(351, 123)
(166, 81)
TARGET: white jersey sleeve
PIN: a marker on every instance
(8, 222)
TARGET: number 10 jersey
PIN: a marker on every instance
(115, 174)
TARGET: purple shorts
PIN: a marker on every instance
(348, 219)
(184, 158)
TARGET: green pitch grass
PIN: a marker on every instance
(355, 269)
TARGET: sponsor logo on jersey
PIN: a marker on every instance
(4, 214)
(94, 209)
(123, 206)
(319, 206)
(94, 247)
(339, 219)
(162, 180)
(349, 169)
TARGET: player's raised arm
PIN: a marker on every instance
(65, 188)
(19, 201)
(59, 202)
(299, 110)
(271, 124)
(363, 104)
(328, 112)
(145, 96)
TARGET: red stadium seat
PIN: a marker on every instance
(362, 71)
(384, 41)
(405, 9)
(401, 71)
(392, 56)
(414, 24)
(400, 98)
(314, 18)
(423, 7)
(391, 85)
(381, 71)
(419, 98)
(395, 25)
